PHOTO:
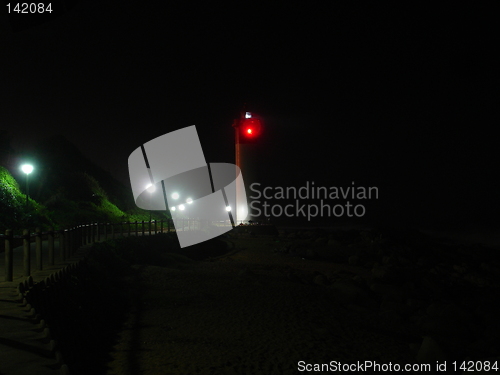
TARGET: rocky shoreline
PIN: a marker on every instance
(272, 301)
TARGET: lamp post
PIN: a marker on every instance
(151, 189)
(27, 168)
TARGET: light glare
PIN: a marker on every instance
(189, 201)
(228, 208)
(175, 196)
(181, 207)
(27, 168)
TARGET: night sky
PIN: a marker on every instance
(404, 99)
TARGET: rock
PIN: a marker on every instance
(485, 266)
(430, 351)
(403, 260)
(348, 289)
(476, 280)
(478, 348)
(459, 269)
(380, 272)
(391, 320)
(422, 261)
(446, 318)
(414, 303)
(290, 275)
(245, 273)
(320, 280)
(353, 260)
(447, 309)
(310, 253)
(321, 240)
(398, 307)
(334, 243)
(389, 291)
(307, 234)
(389, 259)
(298, 249)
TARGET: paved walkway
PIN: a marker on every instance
(25, 345)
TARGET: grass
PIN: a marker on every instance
(15, 210)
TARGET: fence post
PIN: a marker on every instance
(156, 227)
(161, 225)
(51, 246)
(61, 245)
(98, 235)
(26, 252)
(67, 240)
(150, 227)
(129, 228)
(122, 228)
(168, 225)
(105, 231)
(143, 227)
(79, 234)
(136, 228)
(91, 233)
(76, 238)
(72, 241)
(9, 257)
(38, 249)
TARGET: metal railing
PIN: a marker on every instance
(70, 239)
(61, 244)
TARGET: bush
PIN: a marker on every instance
(15, 212)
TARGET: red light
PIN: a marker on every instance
(251, 127)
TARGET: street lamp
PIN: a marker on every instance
(27, 168)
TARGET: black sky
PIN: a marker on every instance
(404, 99)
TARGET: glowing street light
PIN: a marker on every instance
(27, 168)
(189, 201)
(181, 207)
(228, 208)
(175, 196)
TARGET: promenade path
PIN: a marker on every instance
(25, 346)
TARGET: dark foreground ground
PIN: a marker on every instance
(262, 305)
